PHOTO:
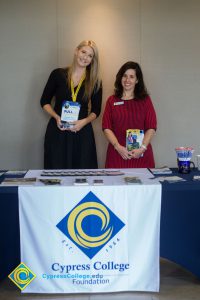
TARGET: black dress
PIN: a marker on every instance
(66, 149)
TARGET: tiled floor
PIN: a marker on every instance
(175, 284)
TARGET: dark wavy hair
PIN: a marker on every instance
(140, 91)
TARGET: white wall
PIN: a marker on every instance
(28, 51)
(36, 36)
(170, 45)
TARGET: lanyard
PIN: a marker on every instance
(74, 95)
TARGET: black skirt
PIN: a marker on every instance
(69, 150)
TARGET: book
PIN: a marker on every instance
(134, 138)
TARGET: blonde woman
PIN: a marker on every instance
(69, 140)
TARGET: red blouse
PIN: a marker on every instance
(120, 115)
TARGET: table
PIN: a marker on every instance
(180, 223)
(91, 239)
(179, 232)
(9, 230)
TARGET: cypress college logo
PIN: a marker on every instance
(22, 276)
(90, 225)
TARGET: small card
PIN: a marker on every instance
(98, 181)
(80, 181)
(119, 103)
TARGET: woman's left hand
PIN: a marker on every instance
(78, 125)
(137, 153)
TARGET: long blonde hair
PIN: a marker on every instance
(92, 80)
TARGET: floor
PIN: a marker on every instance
(175, 284)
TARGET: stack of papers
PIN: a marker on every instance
(16, 172)
(171, 179)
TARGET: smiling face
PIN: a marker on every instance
(129, 80)
(84, 56)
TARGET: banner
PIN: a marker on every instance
(91, 238)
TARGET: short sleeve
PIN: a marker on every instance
(107, 115)
(96, 101)
(150, 119)
(49, 90)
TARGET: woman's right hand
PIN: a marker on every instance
(59, 123)
(123, 152)
(53, 114)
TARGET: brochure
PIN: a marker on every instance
(132, 180)
(70, 113)
(134, 138)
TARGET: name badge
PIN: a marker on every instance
(119, 103)
(70, 112)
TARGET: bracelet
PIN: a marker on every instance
(144, 147)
